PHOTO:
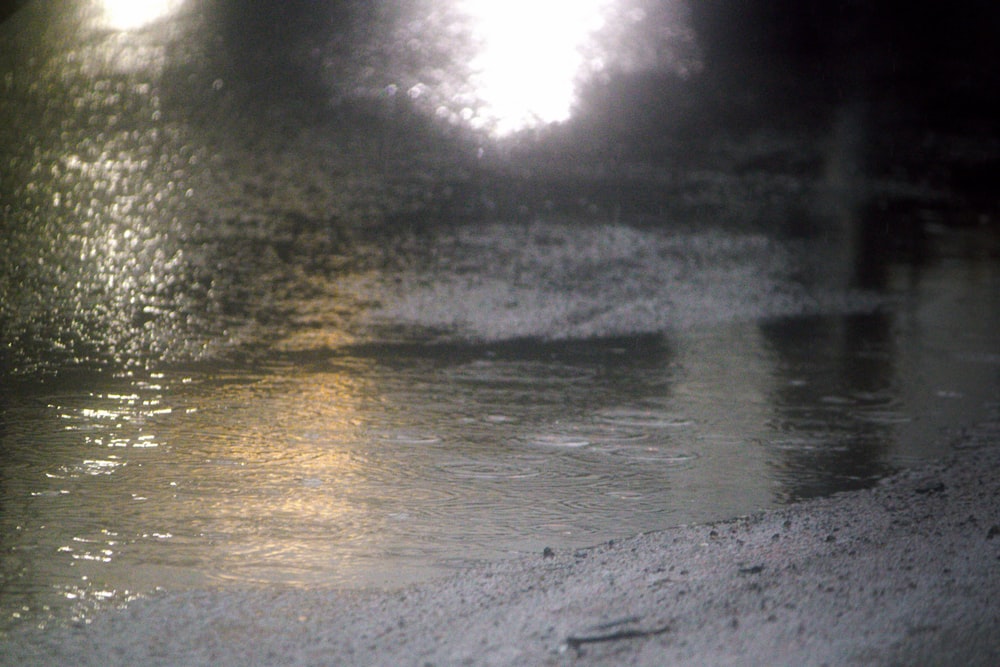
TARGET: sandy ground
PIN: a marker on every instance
(907, 573)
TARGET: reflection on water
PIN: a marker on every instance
(244, 342)
(855, 410)
(379, 464)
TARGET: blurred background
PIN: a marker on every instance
(316, 127)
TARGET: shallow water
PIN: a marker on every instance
(383, 463)
(248, 344)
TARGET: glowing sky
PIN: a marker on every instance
(530, 57)
(135, 14)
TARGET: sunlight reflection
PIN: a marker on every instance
(531, 54)
(287, 494)
(132, 15)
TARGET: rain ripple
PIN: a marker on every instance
(650, 418)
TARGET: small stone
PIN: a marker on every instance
(547, 552)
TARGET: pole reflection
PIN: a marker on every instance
(835, 405)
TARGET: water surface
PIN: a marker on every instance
(256, 329)
(384, 463)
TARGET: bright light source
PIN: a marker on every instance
(531, 53)
(134, 14)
